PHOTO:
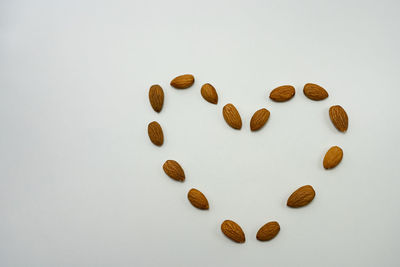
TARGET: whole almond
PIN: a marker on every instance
(259, 119)
(301, 197)
(209, 93)
(232, 117)
(233, 231)
(268, 231)
(339, 118)
(198, 199)
(315, 92)
(282, 93)
(174, 170)
(155, 133)
(333, 157)
(183, 81)
(156, 97)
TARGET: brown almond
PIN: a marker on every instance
(174, 170)
(315, 92)
(333, 157)
(339, 118)
(155, 133)
(233, 231)
(156, 97)
(301, 197)
(209, 93)
(268, 231)
(282, 93)
(259, 119)
(183, 81)
(232, 117)
(198, 199)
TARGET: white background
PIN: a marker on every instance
(81, 184)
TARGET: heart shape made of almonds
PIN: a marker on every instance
(299, 198)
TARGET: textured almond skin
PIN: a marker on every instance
(315, 92)
(268, 231)
(156, 97)
(301, 197)
(259, 119)
(232, 117)
(233, 231)
(339, 118)
(209, 93)
(333, 157)
(174, 170)
(282, 93)
(183, 81)
(155, 133)
(198, 199)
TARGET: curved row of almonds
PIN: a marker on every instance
(299, 198)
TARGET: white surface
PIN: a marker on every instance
(81, 184)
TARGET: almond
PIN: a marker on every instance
(155, 133)
(156, 97)
(333, 157)
(198, 199)
(282, 93)
(183, 81)
(259, 118)
(233, 231)
(301, 197)
(339, 118)
(268, 231)
(232, 117)
(315, 92)
(174, 170)
(209, 93)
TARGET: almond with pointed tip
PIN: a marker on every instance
(339, 118)
(209, 93)
(268, 231)
(233, 231)
(333, 157)
(315, 92)
(282, 93)
(198, 199)
(259, 119)
(232, 117)
(174, 170)
(156, 97)
(183, 81)
(301, 197)
(155, 133)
